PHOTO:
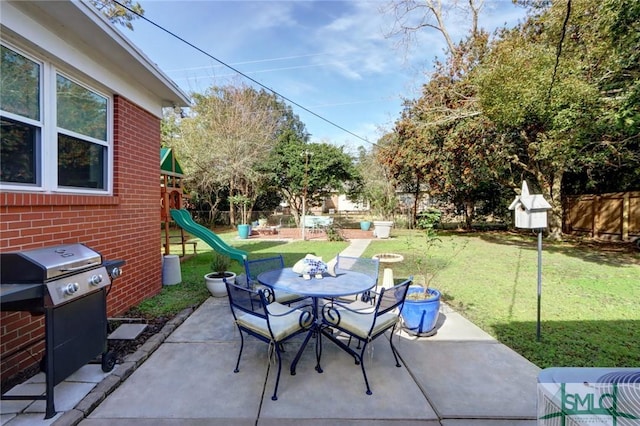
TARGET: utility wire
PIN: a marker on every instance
(559, 50)
(241, 73)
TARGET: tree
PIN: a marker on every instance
(412, 16)
(118, 14)
(555, 97)
(228, 133)
(611, 47)
(301, 170)
(444, 143)
(558, 97)
(376, 184)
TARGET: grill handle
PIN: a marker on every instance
(77, 268)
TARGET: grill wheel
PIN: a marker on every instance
(108, 361)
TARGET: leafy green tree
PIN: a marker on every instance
(311, 171)
(376, 184)
(561, 99)
(553, 101)
(118, 14)
(444, 143)
(229, 132)
(610, 49)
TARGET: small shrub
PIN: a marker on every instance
(429, 219)
(220, 262)
(334, 232)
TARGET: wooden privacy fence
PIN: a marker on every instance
(614, 216)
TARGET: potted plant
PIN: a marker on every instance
(382, 228)
(365, 223)
(383, 204)
(244, 229)
(422, 305)
(421, 309)
(214, 280)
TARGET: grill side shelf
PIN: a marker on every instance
(13, 296)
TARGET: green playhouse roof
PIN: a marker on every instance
(168, 163)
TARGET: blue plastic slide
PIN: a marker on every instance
(184, 220)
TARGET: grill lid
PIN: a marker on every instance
(41, 265)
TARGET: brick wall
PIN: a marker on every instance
(123, 226)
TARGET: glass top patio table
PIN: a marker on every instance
(345, 283)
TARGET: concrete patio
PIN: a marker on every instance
(460, 376)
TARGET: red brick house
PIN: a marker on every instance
(80, 109)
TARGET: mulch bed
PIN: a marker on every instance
(120, 348)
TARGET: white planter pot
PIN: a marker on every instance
(382, 228)
(216, 286)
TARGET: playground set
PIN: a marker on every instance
(172, 210)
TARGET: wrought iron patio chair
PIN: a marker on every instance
(268, 320)
(365, 326)
(364, 265)
(255, 267)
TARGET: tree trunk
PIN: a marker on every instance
(232, 207)
(416, 200)
(469, 210)
(551, 190)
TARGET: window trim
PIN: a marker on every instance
(47, 157)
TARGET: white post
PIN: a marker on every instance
(539, 281)
(304, 201)
(304, 191)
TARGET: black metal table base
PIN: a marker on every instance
(315, 330)
(318, 330)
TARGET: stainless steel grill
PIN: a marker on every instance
(69, 285)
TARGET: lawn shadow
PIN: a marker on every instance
(258, 245)
(574, 343)
(611, 254)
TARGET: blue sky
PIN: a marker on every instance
(331, 57)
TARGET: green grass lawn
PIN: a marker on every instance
(590, 313)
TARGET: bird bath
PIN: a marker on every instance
(388, 257)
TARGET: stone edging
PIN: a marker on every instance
(120, 373)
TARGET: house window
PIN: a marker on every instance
(55, 130)
(20, 99)
(82, 135)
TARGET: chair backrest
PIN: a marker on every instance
(244, 299)
(365, 265)
(255, 267)
(392, 298)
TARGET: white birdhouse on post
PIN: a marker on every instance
(530, 210)
(531, 213)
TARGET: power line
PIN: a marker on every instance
(240, 72)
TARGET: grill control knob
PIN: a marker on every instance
(95, 279)
(116, 272)
(71, 288)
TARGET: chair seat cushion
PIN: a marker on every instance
(280, 296)
(281, 326)
(359, 324)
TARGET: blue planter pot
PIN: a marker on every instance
(365, 225)
(420, 316)
(244, 231)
